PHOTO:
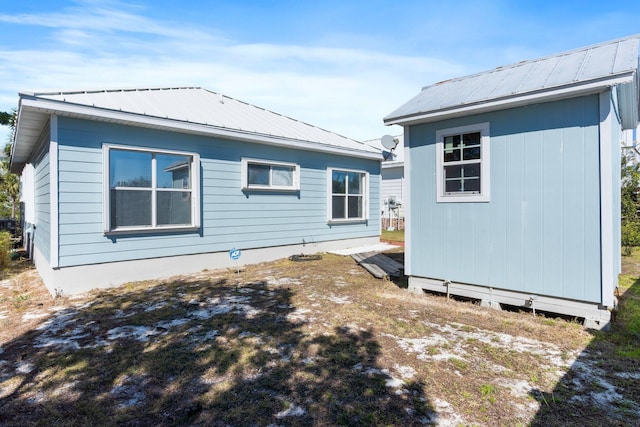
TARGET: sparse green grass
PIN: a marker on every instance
(459, 364)
(626, 330)
(291, 348)
(392, 236)
(19, 301)
(615, 353)
(488, 392)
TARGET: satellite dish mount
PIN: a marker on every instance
(390, 143)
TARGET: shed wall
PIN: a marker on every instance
(230, 217)
(540, 231)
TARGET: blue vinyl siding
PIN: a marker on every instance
(230, 217)
(540, 232)
(42, 202)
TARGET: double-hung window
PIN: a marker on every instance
(269, 175)
(150, 190)
(462, 164)
(348, 195)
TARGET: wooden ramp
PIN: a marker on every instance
(380, 265)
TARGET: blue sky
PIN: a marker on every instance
(341, 65)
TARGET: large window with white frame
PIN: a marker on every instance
(270, 175)
(150, 189)
(462, 164)
(348, 198)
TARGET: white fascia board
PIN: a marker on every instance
(17, 130)
(388, 165)
(16, 167)
(510, 101)
(83, 111)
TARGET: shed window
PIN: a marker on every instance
(348, 195)
(462, 164)
(269, 175)
(150, 190)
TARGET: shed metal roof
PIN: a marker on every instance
(183, 109)
(580, 71)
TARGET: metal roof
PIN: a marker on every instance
(580, 71)
(182, 109)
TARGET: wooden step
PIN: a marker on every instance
(379, 265)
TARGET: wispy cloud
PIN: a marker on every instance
(95, 17)
(346, 90)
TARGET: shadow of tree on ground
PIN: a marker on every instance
(603, 385)
(199, 352)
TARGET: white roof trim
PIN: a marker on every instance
(512, 101)
(392, 164)
(82, 111)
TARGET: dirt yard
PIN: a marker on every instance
(313, 343)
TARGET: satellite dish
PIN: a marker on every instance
(388, 142)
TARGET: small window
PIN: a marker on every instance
(348, 195)
(267, 175)
(150, 190)
(462, 164)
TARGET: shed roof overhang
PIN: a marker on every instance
(626, 84)
(628, 96)
(34, 113)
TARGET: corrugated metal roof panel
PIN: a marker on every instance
(204, 107)
(537, 75)
(587, 65)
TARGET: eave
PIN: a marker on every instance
(34, 113)
(626, 82)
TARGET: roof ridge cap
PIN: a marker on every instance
(46, 92)
(285, 116)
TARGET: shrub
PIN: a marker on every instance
(5, 249)
(630, 237)
(630, 204)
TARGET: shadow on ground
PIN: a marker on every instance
(597, 390)
(200, 352)
(401, 281)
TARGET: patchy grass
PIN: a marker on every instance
(608, 370)
(392, 236)
(626, 333)
(314, 343)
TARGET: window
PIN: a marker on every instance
(462, 164)
(150, 190)
(348, 198)
(268, 175)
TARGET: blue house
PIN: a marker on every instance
(393, 199)
(124, 185)
(513, 178)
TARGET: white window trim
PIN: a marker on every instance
(365, 192)
(195, 192)
(245, 161)
(485, 184)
